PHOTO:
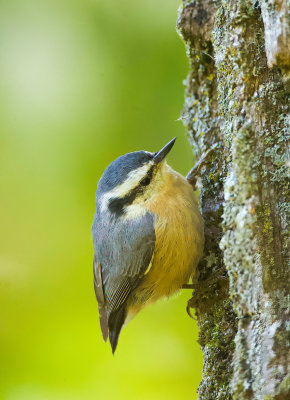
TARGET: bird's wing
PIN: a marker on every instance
(98, 284)
(123, 252)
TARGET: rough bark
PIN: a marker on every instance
(237, 96)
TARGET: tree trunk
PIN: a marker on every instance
(237, 96)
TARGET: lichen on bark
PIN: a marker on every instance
(237, 98)
(213, 308)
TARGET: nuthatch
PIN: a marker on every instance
(147, 233)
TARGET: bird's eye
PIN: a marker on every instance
(145, 181)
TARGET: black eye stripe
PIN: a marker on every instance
(116, 204)
(145, 181)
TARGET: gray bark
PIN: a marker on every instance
(237, 96)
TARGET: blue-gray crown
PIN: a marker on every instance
(117, 172)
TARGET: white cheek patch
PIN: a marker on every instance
(132, 181)
(134, 211)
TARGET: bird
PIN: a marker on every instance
(148, 236)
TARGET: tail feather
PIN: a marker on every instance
(103, 321)
(116, 321)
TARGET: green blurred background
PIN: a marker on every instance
(81, 82)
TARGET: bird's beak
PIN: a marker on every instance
(164, 151)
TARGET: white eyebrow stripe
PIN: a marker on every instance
(131, 181)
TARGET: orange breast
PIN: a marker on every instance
(179, 240)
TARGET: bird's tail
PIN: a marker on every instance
(116, 321)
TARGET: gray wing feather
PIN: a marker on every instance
(123, 249)
(98, 284)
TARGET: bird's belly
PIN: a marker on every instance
(178, 249)
(172, 265)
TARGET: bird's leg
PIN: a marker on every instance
(209, 281)
(195, 171)
(187, 286)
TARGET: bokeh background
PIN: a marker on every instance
(82, 82)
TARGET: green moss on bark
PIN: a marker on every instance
(213, 308)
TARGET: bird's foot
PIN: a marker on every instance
(195, 171)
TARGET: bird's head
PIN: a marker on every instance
(132, 178)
